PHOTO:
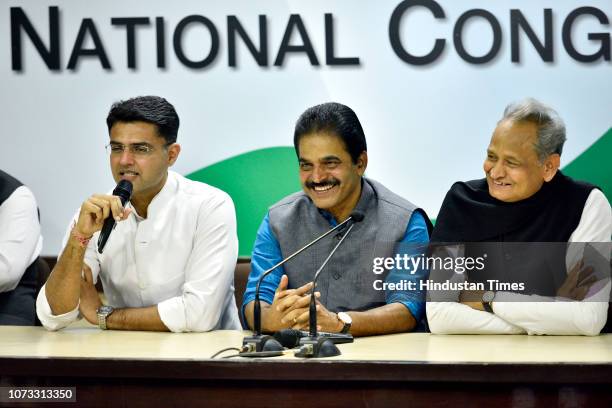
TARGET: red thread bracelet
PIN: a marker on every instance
(83, 240)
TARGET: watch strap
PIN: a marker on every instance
(103, 313)
(102, 321)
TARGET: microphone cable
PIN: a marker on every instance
(244, 351)
(228, 349)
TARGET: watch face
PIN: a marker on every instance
(488, 296)
(105, 310)
(345, 317)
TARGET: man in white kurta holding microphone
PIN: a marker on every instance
(169, 263)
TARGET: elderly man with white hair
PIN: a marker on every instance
(538, 231)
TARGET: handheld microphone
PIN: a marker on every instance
(124, 192)
(259, 342)
(315, 345)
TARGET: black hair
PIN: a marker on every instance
(336, 119)
(152, 109)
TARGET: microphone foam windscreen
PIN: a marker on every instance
(288, 338)
(124, 189)
(357, 216)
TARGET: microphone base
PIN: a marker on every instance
(313, 347)
(336, 338)
(261, 342)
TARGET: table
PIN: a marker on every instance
(113, 368)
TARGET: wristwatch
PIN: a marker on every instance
(346, 319)
(103, 312)
(487, 299)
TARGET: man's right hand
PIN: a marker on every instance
(95, 210)
(63, 288)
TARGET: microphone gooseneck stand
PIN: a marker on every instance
(314, 345)
(258, 341)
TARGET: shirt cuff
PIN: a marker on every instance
(46, 316)
(245, 301)
(416, 309)
(171, 312)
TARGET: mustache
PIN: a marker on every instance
(325, 183)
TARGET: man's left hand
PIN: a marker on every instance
(326, 321)
(90, 300)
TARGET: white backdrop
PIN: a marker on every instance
(426, 126)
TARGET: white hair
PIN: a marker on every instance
(551, 129)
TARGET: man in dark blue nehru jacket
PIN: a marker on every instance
(332, 154)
